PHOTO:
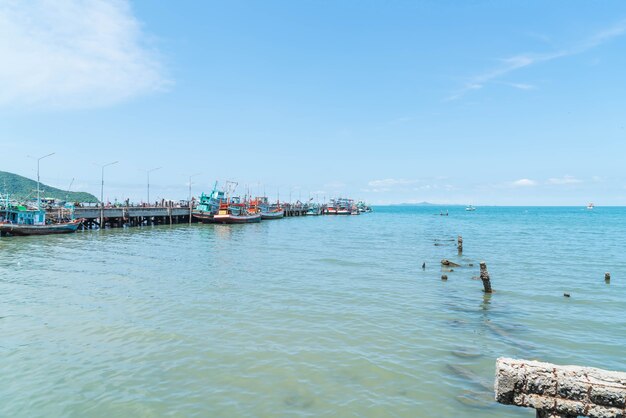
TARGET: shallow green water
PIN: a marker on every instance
(322, 316)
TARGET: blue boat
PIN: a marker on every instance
(21, 220)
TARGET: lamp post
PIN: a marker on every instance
(148, 174)
(102, 194)
(38, 191)
(190, 204)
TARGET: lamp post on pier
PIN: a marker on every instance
(102, 193)
(190, 203)
(38, 190)
(148, 174)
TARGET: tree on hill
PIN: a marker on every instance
(22, 188)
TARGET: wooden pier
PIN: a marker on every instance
(120, 216)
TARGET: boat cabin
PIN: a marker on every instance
(21, 215)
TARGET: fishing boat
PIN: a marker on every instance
(362, 207)
(208, 205)
(273, 214)
(233, 213)
(7, 228)
(267, 210)
(470, 208)
(21, 220)
(344, 206)
(331, 208)
(313, 210)
(590, 206)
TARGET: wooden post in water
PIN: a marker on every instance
(444, 277)
(607, 277)
(460, 244)
(484, 276)
(556, 391)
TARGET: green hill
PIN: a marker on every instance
(22, 188)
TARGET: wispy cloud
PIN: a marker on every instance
(524, 183)
(516, 62)
(564, 180)
(390, 182)
(74, 53)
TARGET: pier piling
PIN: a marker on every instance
(484, 276)
(607, 277)
(444, 277)
(460, 244)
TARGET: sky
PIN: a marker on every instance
(466, 102)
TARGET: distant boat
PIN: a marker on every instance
(344, 206)
(313, 210)
(470, 208)
(590, 206)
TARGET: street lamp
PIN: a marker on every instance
(148, 174)
(38, 192)
(102, 194)
(190, 204)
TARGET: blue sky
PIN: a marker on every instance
(477, 102)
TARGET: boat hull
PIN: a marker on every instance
(236, 219)
(26, 230)
(203, 217)
(273, 215)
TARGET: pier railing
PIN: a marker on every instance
(561, 391)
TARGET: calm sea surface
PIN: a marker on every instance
(320, 316)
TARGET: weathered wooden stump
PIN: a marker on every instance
(484, 276)
(459, 244)
(444, 277)
(561, 391)
(607, 277)
(446, 262)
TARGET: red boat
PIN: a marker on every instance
(235, 214)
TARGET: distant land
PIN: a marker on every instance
(23, 188)
(425, 204)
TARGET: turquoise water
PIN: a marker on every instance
(319, 316)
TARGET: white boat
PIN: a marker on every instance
(470, 208)
(590, 206)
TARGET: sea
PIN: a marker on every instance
(328, 316)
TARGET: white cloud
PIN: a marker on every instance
(520, 86)
(564, 180)
(517, 62)
(524, 183)
(390, 182)
(73, 53)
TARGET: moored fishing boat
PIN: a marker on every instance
(269, 211)
(7, 228)
(20, 220)
(313, 210)
(344, 206)
(229, 214)
(276, 213)
(362, 207)
(208, 205)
